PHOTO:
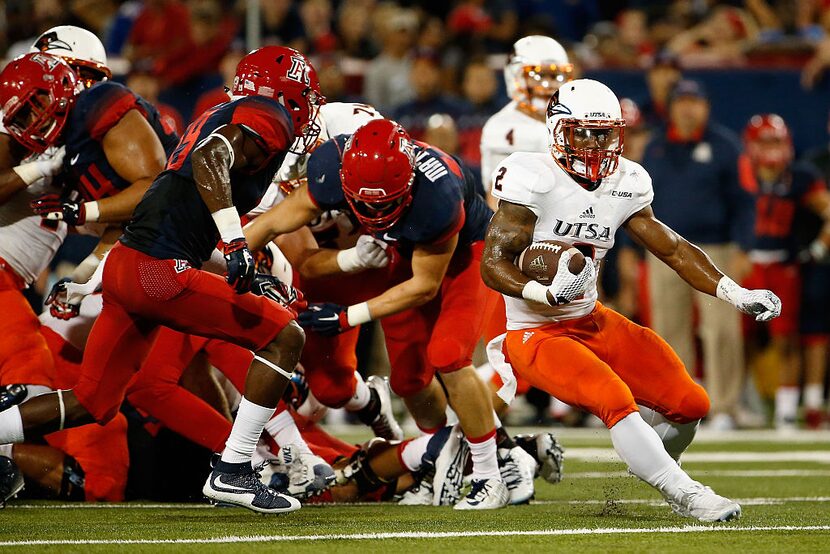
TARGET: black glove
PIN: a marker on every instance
(58, 306)
(282, 293)
(240, 265)
(55, 208)
(327, 319)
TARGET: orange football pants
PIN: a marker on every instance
(24, 356)
(606, 364)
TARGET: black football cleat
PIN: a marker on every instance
(246, 490)
(11, 480)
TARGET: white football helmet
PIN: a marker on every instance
(585, 130)
(81, 49)
(537, 67)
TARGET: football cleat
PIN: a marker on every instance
(384, 425)
(485, 494)
(11, 480)
(449, 467)
(419, 495)
(517, 468)
(246, 490)
(11, 395)
(547, 452)
(699, 502)
(301, 475)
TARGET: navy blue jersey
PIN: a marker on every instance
(172, 221)
(97, 110)
(444, 197)
(779, 205)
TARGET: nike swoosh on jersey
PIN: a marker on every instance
(74, 159)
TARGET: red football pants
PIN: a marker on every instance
(142, 293)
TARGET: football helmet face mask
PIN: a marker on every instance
(377, 173)
(585, 131)
(81, 49)
(536, 68)
(768, 141)
(288, 77)
(37, 92)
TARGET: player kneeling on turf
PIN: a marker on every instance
(559, 338)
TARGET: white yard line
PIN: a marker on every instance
(608, 455)
(657, 502)
(712, 473)
(423, 535)
(703, 436)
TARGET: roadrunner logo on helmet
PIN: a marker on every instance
(37, 92)
(536, 68)
(289, 78)
(377, 172)
(81, 49)
(585, 131)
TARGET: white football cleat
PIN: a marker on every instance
(419, 495)
(701, 503)
(385, 426)
(486, 494)
(517, 468)
(449, 469)
(298, 474)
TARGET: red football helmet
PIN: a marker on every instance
(287, 76)
(768, 141)
(37, 92)
(377, 172)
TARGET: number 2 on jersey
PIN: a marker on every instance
(499, 177)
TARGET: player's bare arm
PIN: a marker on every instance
(296, 211)
(429, 265)
(695, 267)
(305, 255)
(135, 152)
(510, 232)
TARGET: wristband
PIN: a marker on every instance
(348, 260)
(93, 211)
(358, 314)
(28, 173)
(228, 223)
(536, 291)
(729, 290)
(818, 249)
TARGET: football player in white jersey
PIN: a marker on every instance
(559, 337)
(537, 67)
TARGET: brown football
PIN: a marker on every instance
(540, 260)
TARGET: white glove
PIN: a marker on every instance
(43, 166)
(369, 252)
(567, 287)
(761, 303)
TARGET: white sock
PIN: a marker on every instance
(11, 425)
(786, 403)
(412, 452)
(485, 463)
(813, 396)
(284, 430)
(247, 427)
(361, 397)
(676, 437)
(6, 450)
(639, 446)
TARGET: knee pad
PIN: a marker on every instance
(693, 406)
(447, 354)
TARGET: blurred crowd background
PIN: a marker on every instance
(435, 66)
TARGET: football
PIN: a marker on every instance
(540, 260)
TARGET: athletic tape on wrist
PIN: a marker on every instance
(348, 260)
(93, 211)
(29, 172)
(358, 314)
(535, 291)
(728, 290)
(228, 223)
(273, 366)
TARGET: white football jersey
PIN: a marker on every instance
(567, 212)
(27, 242)
(76, 331)
(509, 130)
